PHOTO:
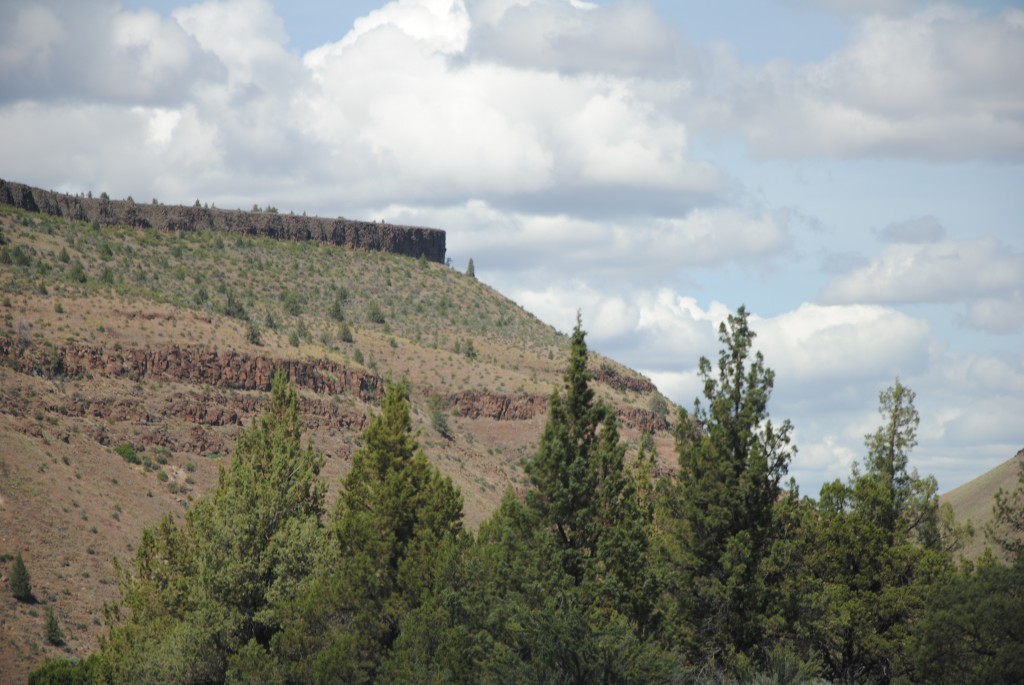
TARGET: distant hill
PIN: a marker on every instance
(973, 500)
(130, 356)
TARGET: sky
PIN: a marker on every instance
(849, 170)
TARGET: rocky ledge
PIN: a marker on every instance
(412, 241)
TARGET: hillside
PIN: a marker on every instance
(130, 357)
(973, 501)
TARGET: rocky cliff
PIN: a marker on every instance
(229, 369)
(412, 241)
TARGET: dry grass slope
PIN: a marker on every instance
(127, 300)
(973, 501)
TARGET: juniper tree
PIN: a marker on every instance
(203, 598)
(717, 519)
(585, 496)
(394, 512)
(21, 581)
(877, 552)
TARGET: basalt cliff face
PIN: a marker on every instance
(412, 241)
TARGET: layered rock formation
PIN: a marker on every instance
(204, 366)
(411, 241)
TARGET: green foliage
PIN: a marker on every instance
(974, 628)
(584, 494)
(293, 302)
(202, 593)
(1007, 527)
(21, 581)
(877, 552)
(718, 518)
(233, 307)
(394, 514)
(128, 453)
(438, 409)
(374, 314)
(86, 671)
(77, 273)
(658, 406)
(471, 269)
(53, 633)
(253, 334)
(345, 333)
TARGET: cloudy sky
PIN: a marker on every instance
(851, 170)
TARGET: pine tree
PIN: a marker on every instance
(717, 520)
(394, 514)
(470, 269)
(210, 596)
(587, 498)
(878, 550)
(54, 634)
(21, 582)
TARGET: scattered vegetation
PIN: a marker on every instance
(602, 573)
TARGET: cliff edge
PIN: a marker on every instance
(412, 241)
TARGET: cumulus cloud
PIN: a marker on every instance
(998, 315)
(98, 52)
(626, 39)
(938, 84)
(638, 249)
(835, 344)
(938, 272)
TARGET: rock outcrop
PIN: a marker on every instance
(233, 370)
(412, 241)
(194, 365)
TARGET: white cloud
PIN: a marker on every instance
(624, 38)
(939, 84)
(98, 52)
(998, 315)
(246, 35)
(837, 344)
(938, 272)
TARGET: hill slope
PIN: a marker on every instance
(973, 501)
(130, 358)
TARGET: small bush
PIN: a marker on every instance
(234, 308)
(54, 635)
(374, 314)
(253, 334)
(128, 453)
(77, 273)
(345, 334)
(21, 582)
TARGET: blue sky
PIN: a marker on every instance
(848, 169)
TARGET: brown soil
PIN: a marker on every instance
(85, 368)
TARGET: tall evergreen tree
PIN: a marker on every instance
(206, 598)
(394, 515)
(877, 553)
(584, 493)
(21, 581)
(717, 519)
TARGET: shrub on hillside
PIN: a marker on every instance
(374, 314)
(21, 582)
(128, 453)
(54, 634)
